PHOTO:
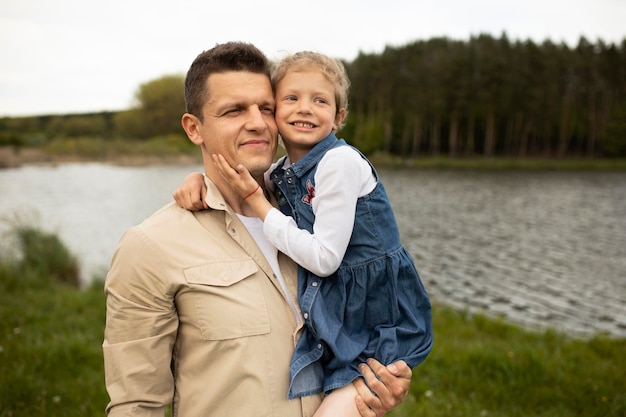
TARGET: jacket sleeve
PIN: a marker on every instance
(140, 330)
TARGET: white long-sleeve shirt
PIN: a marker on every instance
(341, 178)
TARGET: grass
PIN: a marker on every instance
(50, 331)
(486, 367)
(51, 359)
(50, 354)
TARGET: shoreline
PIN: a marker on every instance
(9, 158)
(12, 158)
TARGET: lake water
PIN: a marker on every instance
(538, 248)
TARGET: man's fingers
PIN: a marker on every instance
(397, 377)
(391, 384)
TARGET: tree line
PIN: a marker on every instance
(486, 96)
(491, 97)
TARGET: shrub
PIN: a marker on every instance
(44, 255)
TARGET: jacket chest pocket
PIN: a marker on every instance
(228, 299)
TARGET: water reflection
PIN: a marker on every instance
(538, 248)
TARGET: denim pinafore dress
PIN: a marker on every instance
(373, 306)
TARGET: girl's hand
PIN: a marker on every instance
(239, 178)
(190, 193)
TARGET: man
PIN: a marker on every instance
(201, 311)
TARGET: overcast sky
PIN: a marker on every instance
(77, 56)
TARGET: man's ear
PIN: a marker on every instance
(341, 114)
(191, 125)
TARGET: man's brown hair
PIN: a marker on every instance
(230, 56)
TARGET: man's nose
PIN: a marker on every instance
(255, 121)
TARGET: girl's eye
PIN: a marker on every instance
(290, 98)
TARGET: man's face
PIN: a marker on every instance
(239, 120)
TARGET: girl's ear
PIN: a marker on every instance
(191, 125)
(341, 114)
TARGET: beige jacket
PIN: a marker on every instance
(195, 318)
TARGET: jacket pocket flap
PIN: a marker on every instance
(221, 273)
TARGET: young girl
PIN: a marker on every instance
(359, 292)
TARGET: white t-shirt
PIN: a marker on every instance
(255, 227)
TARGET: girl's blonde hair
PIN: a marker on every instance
(332, 69)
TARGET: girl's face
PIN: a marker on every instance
(306, 111)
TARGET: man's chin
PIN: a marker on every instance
(258, 168)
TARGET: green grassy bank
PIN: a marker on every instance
(500, 164)
(51, 358)
(178, 149)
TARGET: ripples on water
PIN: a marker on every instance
(540, 249)
(537, 248)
